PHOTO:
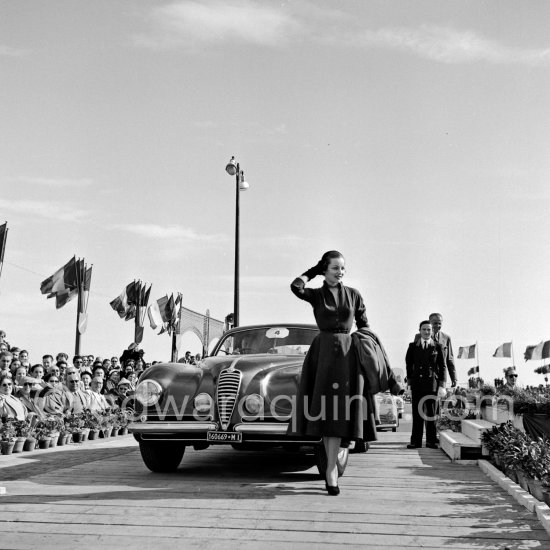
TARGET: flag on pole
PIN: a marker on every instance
(3, 239)
(142, 295)
(473, 370)
(504, 350)
(124, 303)
(85, 295)
(538, 352)
(62, 285)
(467, 352)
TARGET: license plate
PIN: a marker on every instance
(224, 437)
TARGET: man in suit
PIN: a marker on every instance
(436, 320)
(425, 362)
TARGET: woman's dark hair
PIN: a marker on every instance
(424, 323)
(48, 375)
(327, 256)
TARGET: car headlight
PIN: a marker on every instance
(203, 403)
(148, 392)
(254, 403)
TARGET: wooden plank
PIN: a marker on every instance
(391, 497)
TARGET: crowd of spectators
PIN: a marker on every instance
(62, 386)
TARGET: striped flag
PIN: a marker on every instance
(62, 285)
(505, 350)
(467, 352)
(85, 294)
(3, 239)
(538, 352)
(122, 304)
(473, 370)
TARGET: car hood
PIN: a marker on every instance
(275, 377)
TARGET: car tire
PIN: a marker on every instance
(394, 429)
(321, 460)
(161, 457)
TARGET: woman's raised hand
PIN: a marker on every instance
(312, 272)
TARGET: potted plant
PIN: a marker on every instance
(537, 466)
(22, 430)
(92, 424)
(74, 424)
(106, 423)
(7, 436)
(123, 421)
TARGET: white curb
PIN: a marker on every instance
(522, 497)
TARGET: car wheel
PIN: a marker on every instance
(394, 429)
(161, 457)
(321, 460)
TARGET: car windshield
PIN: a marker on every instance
(282, 340)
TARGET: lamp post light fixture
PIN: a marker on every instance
(233, 169)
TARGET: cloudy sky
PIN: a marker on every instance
(413, 137)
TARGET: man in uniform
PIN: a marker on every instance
(425, 374)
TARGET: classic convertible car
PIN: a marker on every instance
(242, 395)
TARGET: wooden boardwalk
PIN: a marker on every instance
(99, 495)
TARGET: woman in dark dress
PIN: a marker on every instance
(329, 402)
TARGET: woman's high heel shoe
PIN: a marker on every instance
(332, 490)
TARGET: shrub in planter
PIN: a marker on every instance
(7, 436)
(74, 423)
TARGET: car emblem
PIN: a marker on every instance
(232, 366)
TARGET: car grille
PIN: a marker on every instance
(228, 389)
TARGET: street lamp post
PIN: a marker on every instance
(233, 169)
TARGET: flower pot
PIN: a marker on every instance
(546, 495)
(94, 434)
(106, 432)
(536, 488)
(85, 432)
(7, 447)
(30, 444)
(498, 461)
(522, 480)
(19, 444)
(54, 439)
(62, 440)
(114, 431)
(123, 431)
(44, 442)
(512, 474)
(77, 437)
(68, 438)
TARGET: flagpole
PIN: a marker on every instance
(512, 350)
(78, 306)
(174, 334)
(3, 247)
(137, 290)
(477, 360)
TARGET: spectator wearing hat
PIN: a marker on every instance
(15, 352)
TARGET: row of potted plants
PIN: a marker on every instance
(523, 459)
(27, 435)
